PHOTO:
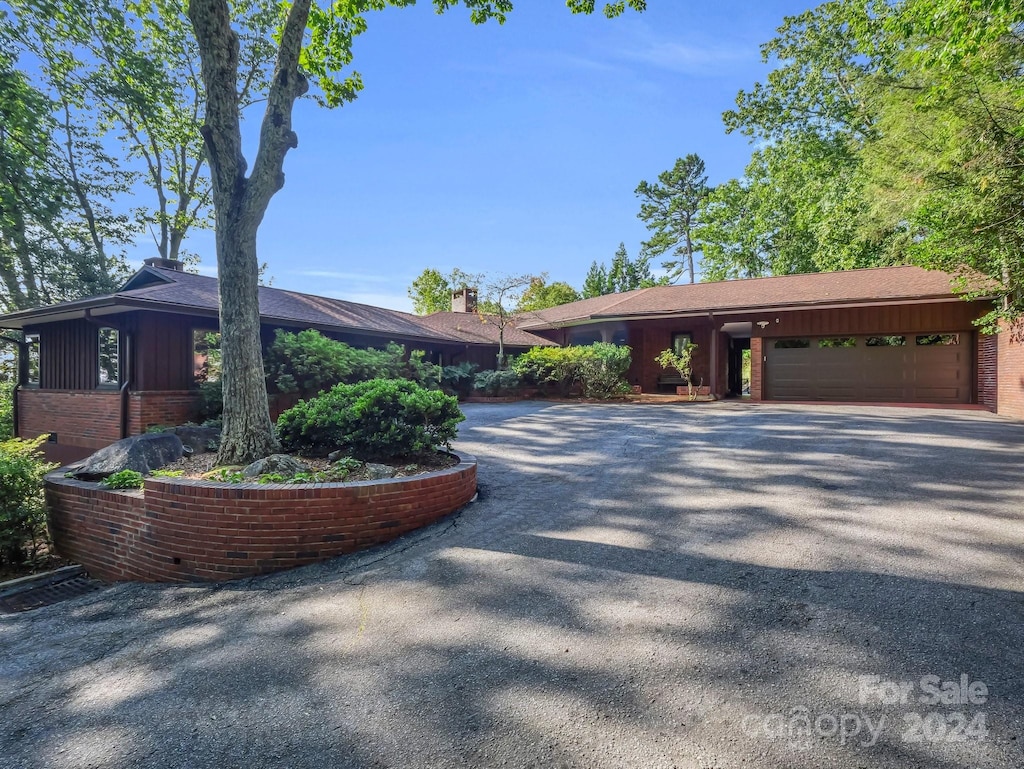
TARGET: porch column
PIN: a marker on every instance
(713, 384)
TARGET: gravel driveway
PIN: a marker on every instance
(638, 586)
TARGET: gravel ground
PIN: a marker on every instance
(638, 586)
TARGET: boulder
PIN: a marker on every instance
(334, 456)
(199, 439)
(281, 464)
(142, 453)
(378, 472)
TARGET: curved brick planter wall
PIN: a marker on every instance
(178, 530)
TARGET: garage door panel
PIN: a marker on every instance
(897, 369)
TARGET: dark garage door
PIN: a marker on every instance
(909, 368)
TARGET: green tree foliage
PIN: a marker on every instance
(801, 206)
(313, 42)
(376, 419)
(624, 274)
(308, 362)
(56, 188)
(891, 134)
(126, 73)
(540, 295)
(432, 291)
(22, 508)
(671, 209)
(948, 165)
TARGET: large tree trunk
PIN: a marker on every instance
(240, 203)
(248, 433)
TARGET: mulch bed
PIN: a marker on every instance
(197, 465)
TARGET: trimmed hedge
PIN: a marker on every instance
(373, 420)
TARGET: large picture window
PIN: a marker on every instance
(32, 349)
(681, 341)
(205, 355)
(110, 356)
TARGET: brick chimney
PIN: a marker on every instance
(166, 264)
(464, 300)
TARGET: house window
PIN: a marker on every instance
(205, 355)
(32, 341)
(837, 341)
(583, 338)
(938, 339)
(792, 344)
(110, 358)
(887, 341)
(620, 337)
(681, 341)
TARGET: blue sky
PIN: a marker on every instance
(511, 149)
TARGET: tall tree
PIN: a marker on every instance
(241, 200)
(432, 291)
(540, 295)
(671, 208)
(624, 274)
(125, 73)
(948, 166)
(56, 186)
(502, 295)
(596, 281)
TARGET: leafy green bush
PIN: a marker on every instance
(22, 509)
(377, 419)
(599, 369)
(495, 383)
(6, 411)
(124, 479)
(308, 363)
(211, 401)
(458, 379)
(603, 368)
(555, 370)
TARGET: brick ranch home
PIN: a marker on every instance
(103, 368)
(884, 335)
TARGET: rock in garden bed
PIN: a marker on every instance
(141, 453)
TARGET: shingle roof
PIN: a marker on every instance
(191, 292)
(880, 284)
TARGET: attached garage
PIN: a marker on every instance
(881, 368)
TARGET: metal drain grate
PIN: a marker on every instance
(44, 595)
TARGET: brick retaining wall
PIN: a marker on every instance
(177, 530)
(1010, 366)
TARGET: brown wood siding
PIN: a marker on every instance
(890, 319)
(68, 355)
(163, 352)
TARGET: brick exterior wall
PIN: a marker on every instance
(1010, 391)
(756, 368)
(987, 384)
(161, 407)
(87, 418)
(182, 530)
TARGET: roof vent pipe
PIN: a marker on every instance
(164, 264)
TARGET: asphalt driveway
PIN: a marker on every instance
(638, 586)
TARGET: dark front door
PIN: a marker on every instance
(736, 349)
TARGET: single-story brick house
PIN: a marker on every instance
(883, 335)
(102, 368)
(109, 366)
